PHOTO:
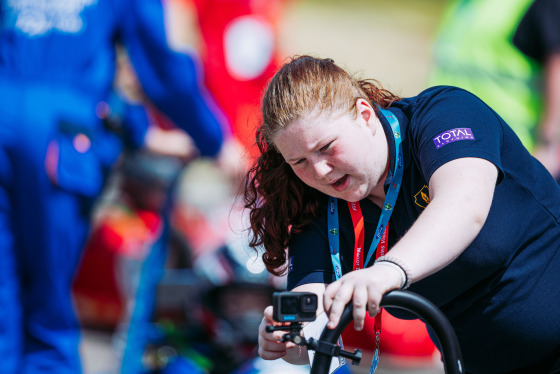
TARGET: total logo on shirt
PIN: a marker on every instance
(452, 135)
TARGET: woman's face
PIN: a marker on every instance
(343, 156)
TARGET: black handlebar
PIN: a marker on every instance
(420, 306)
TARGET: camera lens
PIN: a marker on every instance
(308, 303)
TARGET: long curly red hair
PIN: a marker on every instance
(279, 203)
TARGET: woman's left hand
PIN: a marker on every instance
(364, 288)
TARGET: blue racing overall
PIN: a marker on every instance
(57, 64)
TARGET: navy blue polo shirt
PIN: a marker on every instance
(502, 295)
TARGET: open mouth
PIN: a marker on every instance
(340, 183)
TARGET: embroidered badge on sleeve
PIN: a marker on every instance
(452, 135)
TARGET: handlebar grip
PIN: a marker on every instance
(412, 302)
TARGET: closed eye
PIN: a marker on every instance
(298, 162)
(325, 147)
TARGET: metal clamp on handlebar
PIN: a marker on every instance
(334, 350)
(319, 346)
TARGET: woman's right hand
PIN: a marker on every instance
(364, 288)
(271, 346)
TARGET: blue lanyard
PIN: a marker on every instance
(389, 203)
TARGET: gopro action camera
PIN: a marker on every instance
(294, 306)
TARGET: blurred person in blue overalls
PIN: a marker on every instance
(57, 64)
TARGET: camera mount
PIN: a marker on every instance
(319, 346)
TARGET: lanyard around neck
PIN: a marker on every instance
(380, 241)
(389, 203)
